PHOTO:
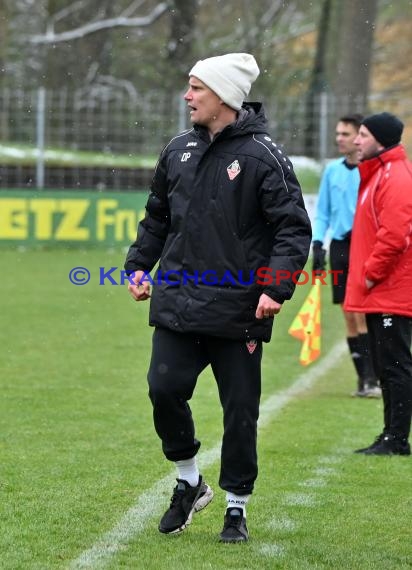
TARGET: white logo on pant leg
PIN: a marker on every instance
(387, 322)
(251, 345)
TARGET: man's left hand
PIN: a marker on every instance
(267, 307)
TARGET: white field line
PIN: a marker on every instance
(148, 506)
(287, 524)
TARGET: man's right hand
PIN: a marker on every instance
(318, 256)
(139, 291)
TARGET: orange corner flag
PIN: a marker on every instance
(306, 326)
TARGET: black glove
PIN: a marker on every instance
(318, 256)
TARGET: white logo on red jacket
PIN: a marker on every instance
(233, 169)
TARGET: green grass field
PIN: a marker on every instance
(81, 470)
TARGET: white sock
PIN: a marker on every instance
(237, 502)
(188, 471)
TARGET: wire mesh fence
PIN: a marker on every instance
(81, 139)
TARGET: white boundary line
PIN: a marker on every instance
(136, 518)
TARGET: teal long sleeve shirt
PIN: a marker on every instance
(338, 194)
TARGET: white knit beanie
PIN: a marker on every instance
(230, 76)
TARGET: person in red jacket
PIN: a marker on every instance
(380, 272)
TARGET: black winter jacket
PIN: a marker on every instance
(217, 212)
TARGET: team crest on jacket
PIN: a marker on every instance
(251, 345)
(233, 169)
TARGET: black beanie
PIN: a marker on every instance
(385, 127)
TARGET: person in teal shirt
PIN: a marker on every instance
(334, 216)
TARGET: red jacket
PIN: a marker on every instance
(381, 246)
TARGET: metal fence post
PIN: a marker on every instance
(40, 129)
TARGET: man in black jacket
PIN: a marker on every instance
(226, 218)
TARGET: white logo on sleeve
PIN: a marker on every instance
(185, 156)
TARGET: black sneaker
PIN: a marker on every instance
(185, 501)
(374, 444)
(234, 527)
(390, 445)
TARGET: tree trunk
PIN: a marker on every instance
(181, 39)
(341, 67)
(350, 63)
(318, 82)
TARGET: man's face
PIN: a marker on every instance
(345, 135)
(205, 106)
(366, 144)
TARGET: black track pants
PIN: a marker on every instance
(390, 346)
(177, 360)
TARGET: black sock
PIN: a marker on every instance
(369, 373)
(356, 355)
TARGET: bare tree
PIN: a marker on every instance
(318, 80)
(349, 66)
(54, 47)
(65, 28)
(342, 63)
(24, 64)
(193, 28)
(123, 20)
(99, 42)
(182, 33)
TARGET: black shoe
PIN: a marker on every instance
(185, 501)
(374, 444)
(367, 388)
(360, 392)
(390, 445)
(234, 527)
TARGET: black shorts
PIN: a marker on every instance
(339, 261)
